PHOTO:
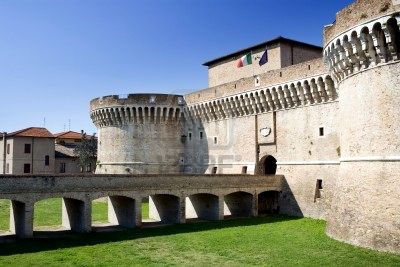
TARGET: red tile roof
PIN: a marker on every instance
(70, 135)
(32, 132)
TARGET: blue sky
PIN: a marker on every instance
(55, 56)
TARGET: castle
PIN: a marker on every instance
(325, 118)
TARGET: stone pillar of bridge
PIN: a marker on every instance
(77, 215)
(21, 219)
(203, 207)
(221, 205)
(165, 208)
(138, 212)
(182, 210)
(254, 206)
(122, 211)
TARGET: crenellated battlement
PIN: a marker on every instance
(118, 110)
(361, 11)
(294, 94)
(364, 46)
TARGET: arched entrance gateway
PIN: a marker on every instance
(267, 165)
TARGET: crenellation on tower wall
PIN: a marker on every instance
(361, 11)
(291, 73)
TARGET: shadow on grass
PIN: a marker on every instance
(68, 240)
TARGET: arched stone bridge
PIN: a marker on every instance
(172, 198)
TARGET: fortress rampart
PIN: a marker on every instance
(330, 125)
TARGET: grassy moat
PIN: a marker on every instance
(271, 241)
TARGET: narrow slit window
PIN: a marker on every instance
(46, 160)
(319, 184)
(318, 189)
(321, 131)
(201, 135)
(190, 136)
(244, 169)
(8, 148)
(215, 140)
(214, 170)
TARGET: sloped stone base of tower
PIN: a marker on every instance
(366, 207)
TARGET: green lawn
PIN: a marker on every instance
(273, 241)
(48, 213)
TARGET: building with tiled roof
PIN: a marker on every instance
(27, 151)
(35, 150)
(69, 137)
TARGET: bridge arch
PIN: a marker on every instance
(164, 208)
(5, 207)
(123, 211)
(202, 206)
(268, 202)
(238, 204)
(47, 213)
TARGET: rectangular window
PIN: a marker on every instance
(244, 169)
(201, 135)
(27, 148)
(27, 168)
(8, 168)
(8, 148)
(190, 136)
(62, 167)
(214, 170)
(46, 160)
(215, 140)
(89, 167)
(321, 131)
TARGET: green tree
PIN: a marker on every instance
(86, 150)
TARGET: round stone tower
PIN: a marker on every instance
(141, 133)
(362, 50)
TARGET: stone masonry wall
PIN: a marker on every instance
(298, 71)
(299, 53)
(367, 210)
(226, 71)
(303, 156)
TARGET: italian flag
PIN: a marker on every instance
(244, 61)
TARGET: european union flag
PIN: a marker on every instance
(264, 58)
